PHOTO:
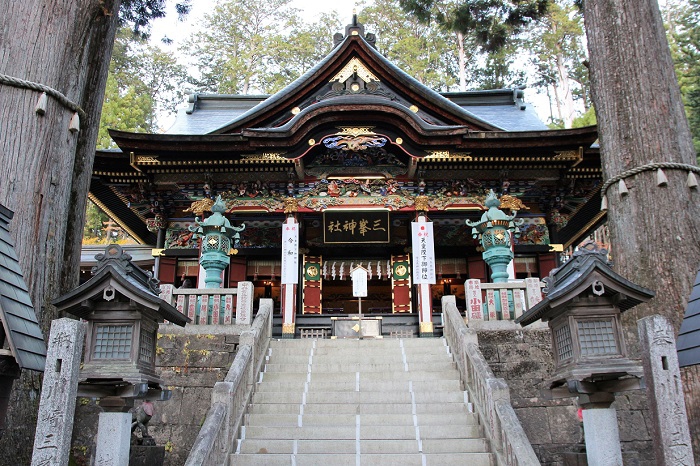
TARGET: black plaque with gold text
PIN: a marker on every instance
(355, 226)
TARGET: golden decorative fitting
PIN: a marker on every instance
(147, 159)
(312, 142)
(201, 206)
(265, 156)
(512, 203)
(399, 141)
(413, 108)
(296, 111)
(355, 130)
(355, 66)
(422, 203)
(426, 327)
(288, 329)
(290, 205)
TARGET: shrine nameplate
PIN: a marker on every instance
(355, 226)
(354, 327)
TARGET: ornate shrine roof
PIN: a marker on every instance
(357, 119)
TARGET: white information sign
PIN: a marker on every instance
(423, 252)
(359, 282)
(290, 253)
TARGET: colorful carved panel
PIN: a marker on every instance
(533, 231)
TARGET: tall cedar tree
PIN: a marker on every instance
(44, 168)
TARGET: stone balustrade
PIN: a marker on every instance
(490, 395)
(204, 306)
(230, 398)
(500, 301)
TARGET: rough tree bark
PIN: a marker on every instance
(655, 233)
(44, 168)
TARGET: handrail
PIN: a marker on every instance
(231, 397)
(490, 394)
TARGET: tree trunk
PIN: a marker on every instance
(567, 98)
(461, 62)
(654, 230)
(45, 169)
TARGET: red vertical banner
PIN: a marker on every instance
(312, 285)
(401, 283)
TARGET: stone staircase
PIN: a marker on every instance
(361, 402)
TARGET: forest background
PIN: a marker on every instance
(260, 46)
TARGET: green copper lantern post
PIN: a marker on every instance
(494, 231)
(216, 233)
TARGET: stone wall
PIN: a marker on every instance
(190, 361)
(523, 357)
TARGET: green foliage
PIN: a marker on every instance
(137, 14)
(256, 46)
(492, 22)
(424, 51)
(587, 119)
(558, 50)
(94, 218)
(143, 82)
(684, 39)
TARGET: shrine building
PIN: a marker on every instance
(350, 155)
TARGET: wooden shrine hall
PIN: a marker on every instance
(352, 152)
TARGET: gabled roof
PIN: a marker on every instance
(688, 344)
(114, 268)
(587, 266)
(16, 311)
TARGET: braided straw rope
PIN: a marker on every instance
(649, 166)
(62, 99)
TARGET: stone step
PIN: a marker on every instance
(362, 367)
(374, 358)
(354, 343)
(359, 351)
(364, 385)
(358, 408)
(406, 419)
(366, 446)
(380, 459)
(365, 432)
(358, 397)
(364, 376)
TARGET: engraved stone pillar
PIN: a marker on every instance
(244, 303)
(58, 394)
(672, 444)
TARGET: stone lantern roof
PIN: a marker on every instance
(116, 273)
(589, 267)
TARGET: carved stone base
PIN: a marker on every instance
(142, 455)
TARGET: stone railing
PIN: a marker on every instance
(501, 301)
(489, 394)
(203, 306)
(230, 398)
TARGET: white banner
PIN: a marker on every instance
(290, 253)
(423, 252)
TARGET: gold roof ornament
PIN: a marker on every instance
(512, 203)
(352, 67)
(290, 205)
(421, 203)
(201, 206)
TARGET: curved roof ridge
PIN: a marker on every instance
(411, 82)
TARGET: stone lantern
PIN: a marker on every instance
(121, 306)
(494, 231)
(216, 233)
(583, 303)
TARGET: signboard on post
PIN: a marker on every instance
(423, 253)
(359, 282)
(290, 253)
